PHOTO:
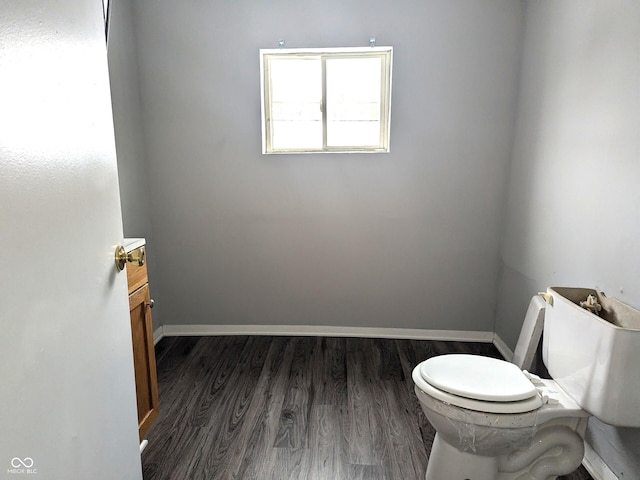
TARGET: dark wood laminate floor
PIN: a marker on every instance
(303, 408)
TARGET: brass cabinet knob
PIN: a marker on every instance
(134, 256)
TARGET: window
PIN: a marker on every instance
(326, 100)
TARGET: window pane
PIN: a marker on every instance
(353, 101)
(296, 97)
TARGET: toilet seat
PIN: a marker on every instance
(478, 383)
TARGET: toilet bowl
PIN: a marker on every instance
(496, 421)
(498, 438)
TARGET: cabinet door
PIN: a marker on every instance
(144, 359)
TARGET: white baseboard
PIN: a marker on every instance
(502, 347)
(596, 466)
(158, 335)
(325, 331)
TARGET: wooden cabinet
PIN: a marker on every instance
(144, 358)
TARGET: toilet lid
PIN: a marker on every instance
(478, 378)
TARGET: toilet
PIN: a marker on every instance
(496, 421)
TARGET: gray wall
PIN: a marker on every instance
(573, 216)
(133, 171)
(407, 239)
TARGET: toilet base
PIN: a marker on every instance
(555, 450)
(448, 463)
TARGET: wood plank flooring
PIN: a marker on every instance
(303, 408)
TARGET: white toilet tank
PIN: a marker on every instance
(595, 359)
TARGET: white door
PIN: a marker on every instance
(67, 395)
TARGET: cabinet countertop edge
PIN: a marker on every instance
(131, 244)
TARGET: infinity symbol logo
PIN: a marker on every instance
(26, 462)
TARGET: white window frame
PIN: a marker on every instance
(386, 55)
